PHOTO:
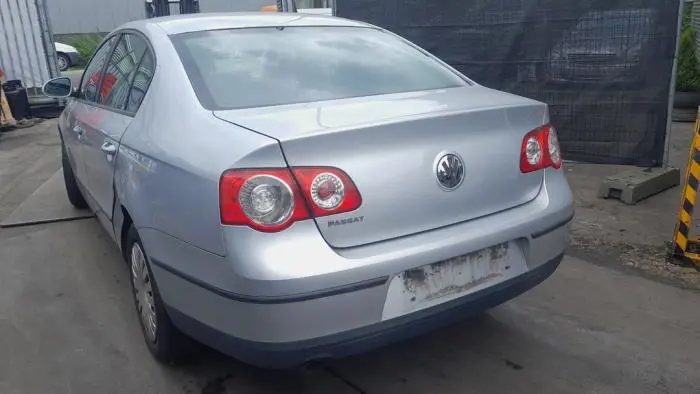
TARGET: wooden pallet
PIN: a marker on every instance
(6, 118)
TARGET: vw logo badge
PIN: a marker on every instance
(449, 171)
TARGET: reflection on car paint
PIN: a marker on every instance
(603, 45)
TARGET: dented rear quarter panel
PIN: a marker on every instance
(167, 174)
(172, 156)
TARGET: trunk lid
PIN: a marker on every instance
(390, 146)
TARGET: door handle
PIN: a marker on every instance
(79, 131)
(109, 148)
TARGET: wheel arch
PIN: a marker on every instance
(127, 222)
(127, 207)
(121, 221)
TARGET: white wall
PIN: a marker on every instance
(233, 5)
(92, 16)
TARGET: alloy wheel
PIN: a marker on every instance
(143, 292)
(61, 63)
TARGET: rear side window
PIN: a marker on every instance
(142, 78)
(121, 69)
(244, 68)
(93, 73)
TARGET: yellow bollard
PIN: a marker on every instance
(685, 247)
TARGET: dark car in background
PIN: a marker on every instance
(66, 56)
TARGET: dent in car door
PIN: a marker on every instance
(103, 131)
(108, 120)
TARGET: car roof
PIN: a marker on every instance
(178, 24)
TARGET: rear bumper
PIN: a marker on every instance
(358, 340)
(297, 298)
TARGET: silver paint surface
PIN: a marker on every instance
(172, 152)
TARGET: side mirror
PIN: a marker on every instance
(58, 87)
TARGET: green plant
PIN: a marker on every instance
(87, 45)
(688, 69)
(688, 72)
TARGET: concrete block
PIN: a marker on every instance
(686, 115)
(637, 184)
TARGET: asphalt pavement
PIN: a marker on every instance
(67, 324)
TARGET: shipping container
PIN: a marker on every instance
(27, 50)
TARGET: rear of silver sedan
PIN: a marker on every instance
(306, 300)
(399, 210)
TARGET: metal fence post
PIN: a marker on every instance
(47, 37)
(672, 88)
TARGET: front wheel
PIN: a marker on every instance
(165, 342)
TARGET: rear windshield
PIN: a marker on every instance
(256, 67)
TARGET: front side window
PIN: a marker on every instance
(245, 68)
(121, 69)
(93, 72)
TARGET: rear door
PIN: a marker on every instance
(73, 129)
(130, 63)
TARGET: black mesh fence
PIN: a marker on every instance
(603, 66)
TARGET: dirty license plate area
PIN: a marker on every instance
(435, 283)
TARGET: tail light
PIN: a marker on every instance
(328, 190)
(270, 200)
(265, 199)
(540, 149)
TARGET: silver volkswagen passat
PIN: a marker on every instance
(290, 187)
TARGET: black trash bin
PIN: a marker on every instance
(17, 99)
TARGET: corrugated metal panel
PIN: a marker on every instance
(25, 36)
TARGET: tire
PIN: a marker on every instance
(75, 196)
(62, 62)
(165, 342)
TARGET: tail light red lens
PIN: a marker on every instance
(264, 199)
(540, 149)
(328, 190)
(271, 200)
(553, 148)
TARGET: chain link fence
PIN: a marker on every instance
(604, 67)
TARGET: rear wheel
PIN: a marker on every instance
(166, 343)
(75, 196)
